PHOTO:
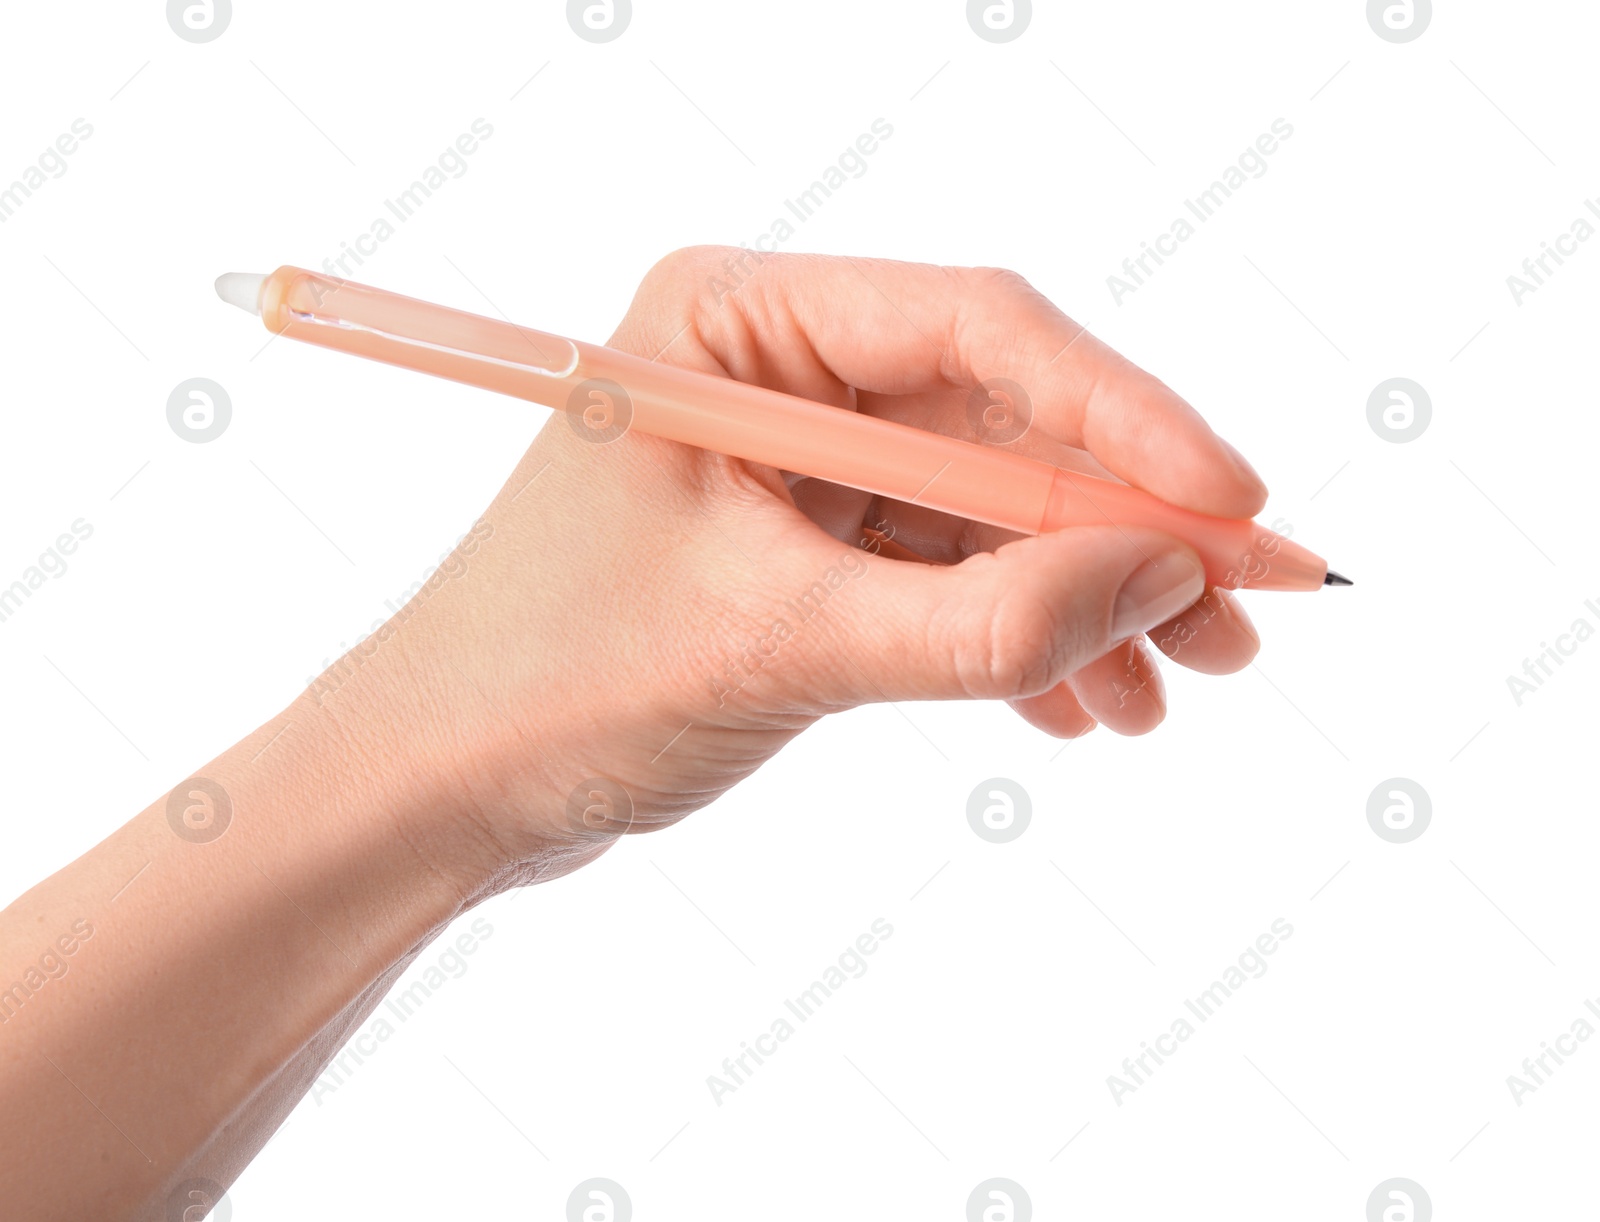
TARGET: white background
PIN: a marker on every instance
(1377, 245)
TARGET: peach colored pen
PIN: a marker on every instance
(612, 391)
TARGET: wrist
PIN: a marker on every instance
(326, 787)
(423, 756)
(360, 795)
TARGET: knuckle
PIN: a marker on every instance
(690, 266)
(1019, 649)
(704, 279)
(676, 263)
(1000, 279)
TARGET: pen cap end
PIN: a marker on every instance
(242, 289)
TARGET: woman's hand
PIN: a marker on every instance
(631, 628)
(636, 625)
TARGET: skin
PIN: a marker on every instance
(585, 629)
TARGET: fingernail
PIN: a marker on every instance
(1239, 617)
(1144, 663)
(1156, 591)
(1243, 464)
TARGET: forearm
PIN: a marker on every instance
(211, 974)
(631, 629)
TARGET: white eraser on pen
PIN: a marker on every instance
(242, 289)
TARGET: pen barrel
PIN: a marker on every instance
(1237, 553)
(610, 392)
(614, 391)
(808, 438)
(400, 330)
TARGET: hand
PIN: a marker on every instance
(630, 629)
(635, 626)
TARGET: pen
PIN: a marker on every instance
(611, 392)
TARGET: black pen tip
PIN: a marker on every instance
(1336, 579)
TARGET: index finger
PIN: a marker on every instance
(903, 328)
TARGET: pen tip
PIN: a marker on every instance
(242, 289)
(1336, 579)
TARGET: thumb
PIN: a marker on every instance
(1011, 623)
